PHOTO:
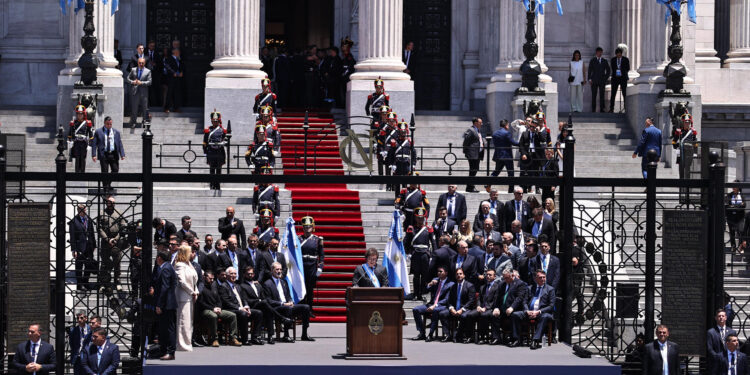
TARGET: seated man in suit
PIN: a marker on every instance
(548, 263)
(510, 298)
(716, 337)
(370, 274)
(209, 307)
(468, 263)
(255, 297)
(539, 304)
(539, 226)
(101, 357)
(277, 292)
(461, 300)
(731, 361)
(487, 300)
(232, 300)
(34, 355)
(438, 288)
(657, 350)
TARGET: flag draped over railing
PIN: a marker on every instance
(295, 276)
(540, 5)
(80, 3)
(676, 5)
(394, 260)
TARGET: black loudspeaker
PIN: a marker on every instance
(627, 300)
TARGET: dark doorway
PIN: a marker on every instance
(427, 23)
(192, 23)
(297, 24)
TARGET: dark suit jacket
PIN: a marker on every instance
(471, 144)
(459, 211)
(173, 67)
(735, 213)
(471, 267)
(133, 63)
(165, 287)
(598, 71)
(250, 295)
(516, 296)
(441, 228)
(721, 365)
(181, 234)
(509, 213)
(650, 140)
(547, 228)
(169, 229)
(100, 143)
(107, 365)
(243, 260)
(411, 63)
(546, 298)
(265, 260)
(226, 230)
(624, 69)
(489, 299)
(503, 142)
(444, 293)
(76, 341)
(442, 257)
(228, 299)
(361, 278)
(45, 357)
(273, 297)
(553, 269)
(82, 237)
(652, 362)
(468, 296)
(209, 298)
(479, 223)
(714, 344)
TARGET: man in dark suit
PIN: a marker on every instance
(539, 226)
(254, 295)
(473, 147)
(140, 80)
(510, 298)
(653, 363)
(209, 307)
(277, 290)
(485, 214)
(548, 263)
(268, 255)
(439, 290)
(101, 357)
(731, 361)
(229, 225)
(165, 285)
(83, 244)
(620, 69)
(234, 256)
(539, 305)
(468, 263)
(716, 338)
(76, 336)
(155, 64)
(454, 202)
(282, 77)
(549, 168)
(503, 142)
(35, 355)
(443, 224)
(461, 300)
(442, 256)
(175, 68)
(185, 231)
(370, 274)
(409, 59)
(496, 206)
(140, 53)
(231, 299)
(108, 148)
(527, 263)
(487, 299)
(650, 140)
(516, 209)
(598, 74)
(163, 229)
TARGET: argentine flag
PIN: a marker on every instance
(295, 276)
(394, 260)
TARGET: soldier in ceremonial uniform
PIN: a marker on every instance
(376, 100)
(312, 257)
(80, 134)
(265, 229)
(266, 97)
(400, 155)
(408, 200)
(214, 140)
(381, 131)
(260, 153)
(266, 196)
(419, 242)
(684, 140)
(268, 120)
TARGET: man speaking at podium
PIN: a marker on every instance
(370, 274)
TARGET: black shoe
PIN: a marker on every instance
(312, 316)
(481, 342)
(197, 344)
(271, 341)
(287, 339)
(469, 340)
(307, 338)
(495, 342)
(429, 339)
(419, 337)
(446, 339)
(535, 345)
(514, 343)
(287, 322)
(255, 341)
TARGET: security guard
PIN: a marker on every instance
(381, 120)
(400, 155)
(312, 257)
(266, 195)
(408, 200)
(684, 140)
(80, 134)
(266, 97)
(268, 120)
(214, 140)
(419, 242)
(381, 131)
(260, 153)
(376, 100)
(265, 230)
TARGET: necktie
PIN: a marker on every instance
(532, 142)
(459, 262)
(282, 296)
(732, 367)
(722, 335)
(492, 208)
(544, 263)
(139, 73)
(83, 220)
(83, 333)
(234, 259)
(450, 205)
(487, 292)
(507, 288)
(458, 300)
(98, 356)
(437, 295)
(536, 229)
(33, 352)
(109, 145)
(518, 210)
(237, 295)
(536, 297)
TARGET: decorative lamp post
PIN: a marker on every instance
(676, 71)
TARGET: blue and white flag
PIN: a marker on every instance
(80, 4)
(676, 5)
(540, 5)
(394, 260)
(292, 251)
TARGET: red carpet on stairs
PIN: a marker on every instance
(335, 208)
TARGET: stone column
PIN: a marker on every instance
(705, 51)
(653, 43)
(235, 79)
(75, 32)
(104, 22)
(629, 24)
(739, 33)
(489, 50)
(380, 53)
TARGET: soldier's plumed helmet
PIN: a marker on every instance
(80, 109)
(384, 109)
(266, 110)
(379, 82)
(403, 128)
(265, 82)
(308, 221)
(260, 128)
(392, 116)
(266, 213)
(216, 115)
(266, 169)
(420, 212)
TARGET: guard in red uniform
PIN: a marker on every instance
(268, 120)
(376, 100)
(80, 136)
(266, 195)
(684, 141)
(266, 230)
(266, 97)
(214, 141)
(408, 200)
(419, 242)
(400, 155)
(260, 153)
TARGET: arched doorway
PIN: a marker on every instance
(299, 23)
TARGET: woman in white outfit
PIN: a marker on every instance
(576, 80)
(187, 294)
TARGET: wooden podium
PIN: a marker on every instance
(373, 323)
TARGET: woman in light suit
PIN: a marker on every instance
(187, 294)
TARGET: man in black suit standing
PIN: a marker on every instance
(370, 274)
(175, 68)
(443, 224)
(277, 290)
(101, 357)
(83, 244)
(716, 337)
(454, 202)
(155, 64)
(461, 300)
(485, 214)
(34, 356)
(731, 361)
(108, 148)
(548, 263)
(538, 226)
(234, 256)
(473, 147)
(282, 77)
(653, 363)
(76, 338)
(516, 209)
(163, 229)
(409, 59)
(539, 305)
(268, 255)
(229, 225)
(620, 68)
(598, 74)
(465, 261)
(165, 285)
